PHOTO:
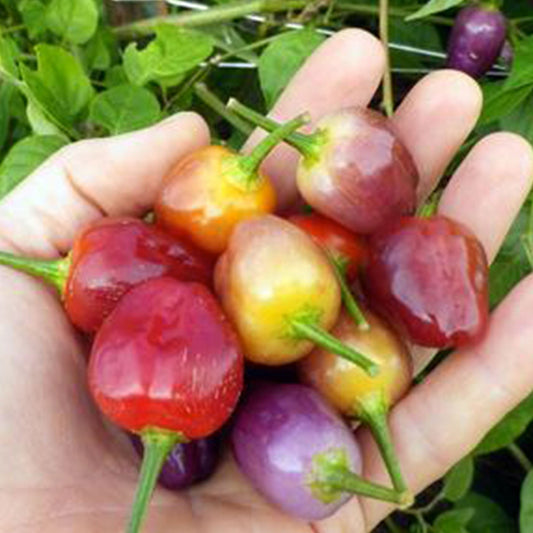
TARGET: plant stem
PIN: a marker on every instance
(348, 298)
(346, 481)
(396, 12)
(372, 410)
(251, 162)
(12, 29)
(392, 526)
(218, 14)
(211, 99)
(388, 98)
(305, 144)
(248, 48)
(157, 446)
(54, 272)
(520, 456)
(306, 330)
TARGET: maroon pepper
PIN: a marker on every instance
(110, 257)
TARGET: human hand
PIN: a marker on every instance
(65, 469)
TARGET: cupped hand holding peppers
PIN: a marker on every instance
(67, 471)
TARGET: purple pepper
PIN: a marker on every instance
(476, 40)
(299, 453)
(187, 463)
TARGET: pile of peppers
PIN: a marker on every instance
(219, 287)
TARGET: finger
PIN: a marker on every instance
(435, 119)
(116, 176)
(444, 417)
(489, 188)
(346, 70)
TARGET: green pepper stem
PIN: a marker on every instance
(54, 272)
(306, 330)
(251, 163)
(211, 99)
(348, 298)
(372, 410)
(157, 445)
(304, 143)
(338, 477)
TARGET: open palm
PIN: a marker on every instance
(63, 469)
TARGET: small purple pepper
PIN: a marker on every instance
(299, 453)
(476, 40)
(187, 463)
(507, 54)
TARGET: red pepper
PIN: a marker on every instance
(166, 365)
(110, 257)
(347, 248)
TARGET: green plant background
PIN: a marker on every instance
(71, 69)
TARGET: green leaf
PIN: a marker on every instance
(434, 6)
(97, 52)
(458, 480)
(499, 101)
(6, 94)
(8, 58)
(125, 108)
(168, 58)
(74, 21)
(40, 125)
(488, 517)
(512, 263)
(419, 34)
(526, 505)
(24, 157)
(509, 428)
(522, 70)
(34, 16)
(520, 120)
(115, 76)
(454, 521)
(282, 58)
(59, 86)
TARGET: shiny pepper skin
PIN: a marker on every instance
(362, 175)
(429, 277)
(272, 271)
(113, 255)
(200, 200)
(344, 385)
(167, 358)
(349, 249)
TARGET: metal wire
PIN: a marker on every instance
(497, 70)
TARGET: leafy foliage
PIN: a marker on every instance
(71, 69)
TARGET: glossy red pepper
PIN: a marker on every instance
(166, 364)
(349, 249)
(108, 258)
(429, 277)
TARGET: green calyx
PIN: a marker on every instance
(243, 170)
(309, 145)
(55, 272)
(305, 325)
(331, 476)
(158, 443)
(372, 409)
